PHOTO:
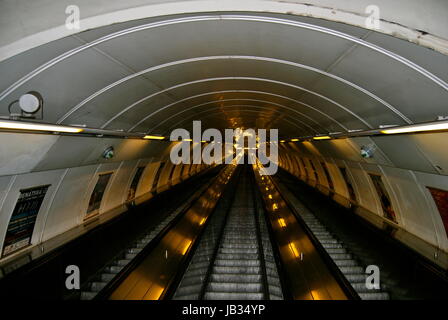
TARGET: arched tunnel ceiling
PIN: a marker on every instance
(302, 75)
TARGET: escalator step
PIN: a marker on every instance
(133, 250)
(234, 287)
(374, 296)
(275, 290)
(193, 280)
(236, 269)
(240, 245)
(346, 263)
(239, 250)
(336, 250)
(130, 256)
(88, 295)
(237, 263)
(107, 276)
(113, 269)
(234, 277)
(351, 269)
(355, 278)
(190, 289)
(329, 241)
(96, 286)
(122, 262)
(187, 297)
(340, 256)
(233, 296)
(238, 256)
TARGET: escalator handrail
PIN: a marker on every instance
(286, 288)
(259, 239)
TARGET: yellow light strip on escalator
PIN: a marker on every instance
(281, 222)
(294, 250)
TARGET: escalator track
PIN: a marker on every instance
(240, 266)
(238, 241)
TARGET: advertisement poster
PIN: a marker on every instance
(134, 183)
(97, 194)
(386, 204)
(21, 226)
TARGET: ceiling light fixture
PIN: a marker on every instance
(19, 125)
(153, 137)
(29, 103)
(434, 126)
(322, 138)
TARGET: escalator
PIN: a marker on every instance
(241, 266)
(107, 274)
(102, 252)
(238, 241)
(353, 244)
(338, 251)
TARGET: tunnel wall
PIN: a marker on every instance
(36, 160)
(418, 225)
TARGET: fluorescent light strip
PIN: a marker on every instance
(294, 140)
(322, 138)
(417, 128)
(17, 125)
(153, 137)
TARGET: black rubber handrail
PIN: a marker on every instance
(285, 284)
(259, 239)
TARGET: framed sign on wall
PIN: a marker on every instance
(134, 184)
(97, 194)
(21, 225)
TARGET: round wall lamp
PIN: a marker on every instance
(29, 103)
